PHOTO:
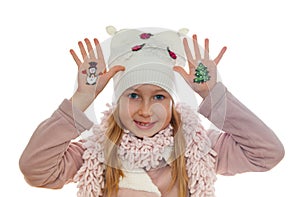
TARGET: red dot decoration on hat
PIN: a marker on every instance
(145, 36)
(171, 53)
(137, 47)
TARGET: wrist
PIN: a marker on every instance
(81, 100)
(203, 93)
(206, 90)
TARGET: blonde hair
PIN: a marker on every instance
(113, 171)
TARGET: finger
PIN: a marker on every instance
(182, 72)
(99, 52)
(82, 50)
(219, 57)
(196, 48)
(90, 48)
(75, 57)
(188, 54)
(206, 48)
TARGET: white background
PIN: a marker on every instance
(260, 68)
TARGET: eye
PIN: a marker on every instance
(133, 96)
(159, 97)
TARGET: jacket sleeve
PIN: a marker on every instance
(51, 158)
(244, 143)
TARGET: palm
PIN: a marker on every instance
(92, 73)
(201, 88)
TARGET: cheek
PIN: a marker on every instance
(163, 110)
(126, 110)
(121, 105)
(126, 107)
(163, 114)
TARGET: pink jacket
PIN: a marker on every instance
(52, 158)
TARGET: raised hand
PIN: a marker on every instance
(92, 73)
(201, 77)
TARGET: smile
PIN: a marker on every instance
(144, 125)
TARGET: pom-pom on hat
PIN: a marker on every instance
(148, 56)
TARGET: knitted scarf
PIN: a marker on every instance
(147, 153)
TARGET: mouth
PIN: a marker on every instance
(144, 125)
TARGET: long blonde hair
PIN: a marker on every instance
(113, 171)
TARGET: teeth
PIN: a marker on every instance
(143, 124)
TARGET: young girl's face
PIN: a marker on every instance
(145, 109)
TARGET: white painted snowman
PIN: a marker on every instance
(91, 73)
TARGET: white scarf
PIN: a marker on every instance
(147, 153)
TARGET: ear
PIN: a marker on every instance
(183, 31)
(111, 30)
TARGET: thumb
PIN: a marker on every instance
(113, 71)
(182, 72)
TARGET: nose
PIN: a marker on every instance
(145, 109)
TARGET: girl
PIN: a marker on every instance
(149, 142)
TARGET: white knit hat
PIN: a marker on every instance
(148, 56)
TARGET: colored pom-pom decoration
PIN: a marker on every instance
(137, 47)
(171, 53)
(145, 35)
